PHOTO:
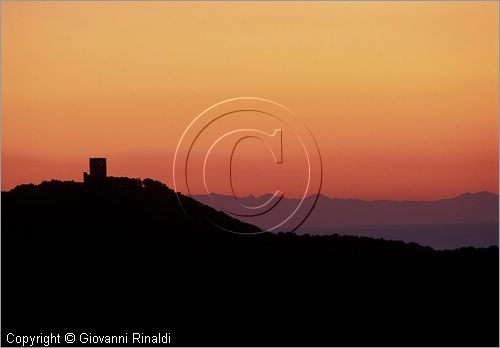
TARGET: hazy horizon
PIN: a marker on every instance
(321, 194)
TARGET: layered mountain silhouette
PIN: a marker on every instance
(470, 219)
(121, 256)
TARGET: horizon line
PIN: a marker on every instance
(265, 194)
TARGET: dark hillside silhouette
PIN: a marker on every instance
(121, 256)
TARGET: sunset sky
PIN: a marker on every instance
(401, 97)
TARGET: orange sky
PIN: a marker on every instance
(402, 97)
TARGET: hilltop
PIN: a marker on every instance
(123, 256)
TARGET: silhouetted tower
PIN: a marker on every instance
(97, 170)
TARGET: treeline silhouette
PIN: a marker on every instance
(121, 256)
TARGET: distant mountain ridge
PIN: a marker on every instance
(470, 219)
(481, 207)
